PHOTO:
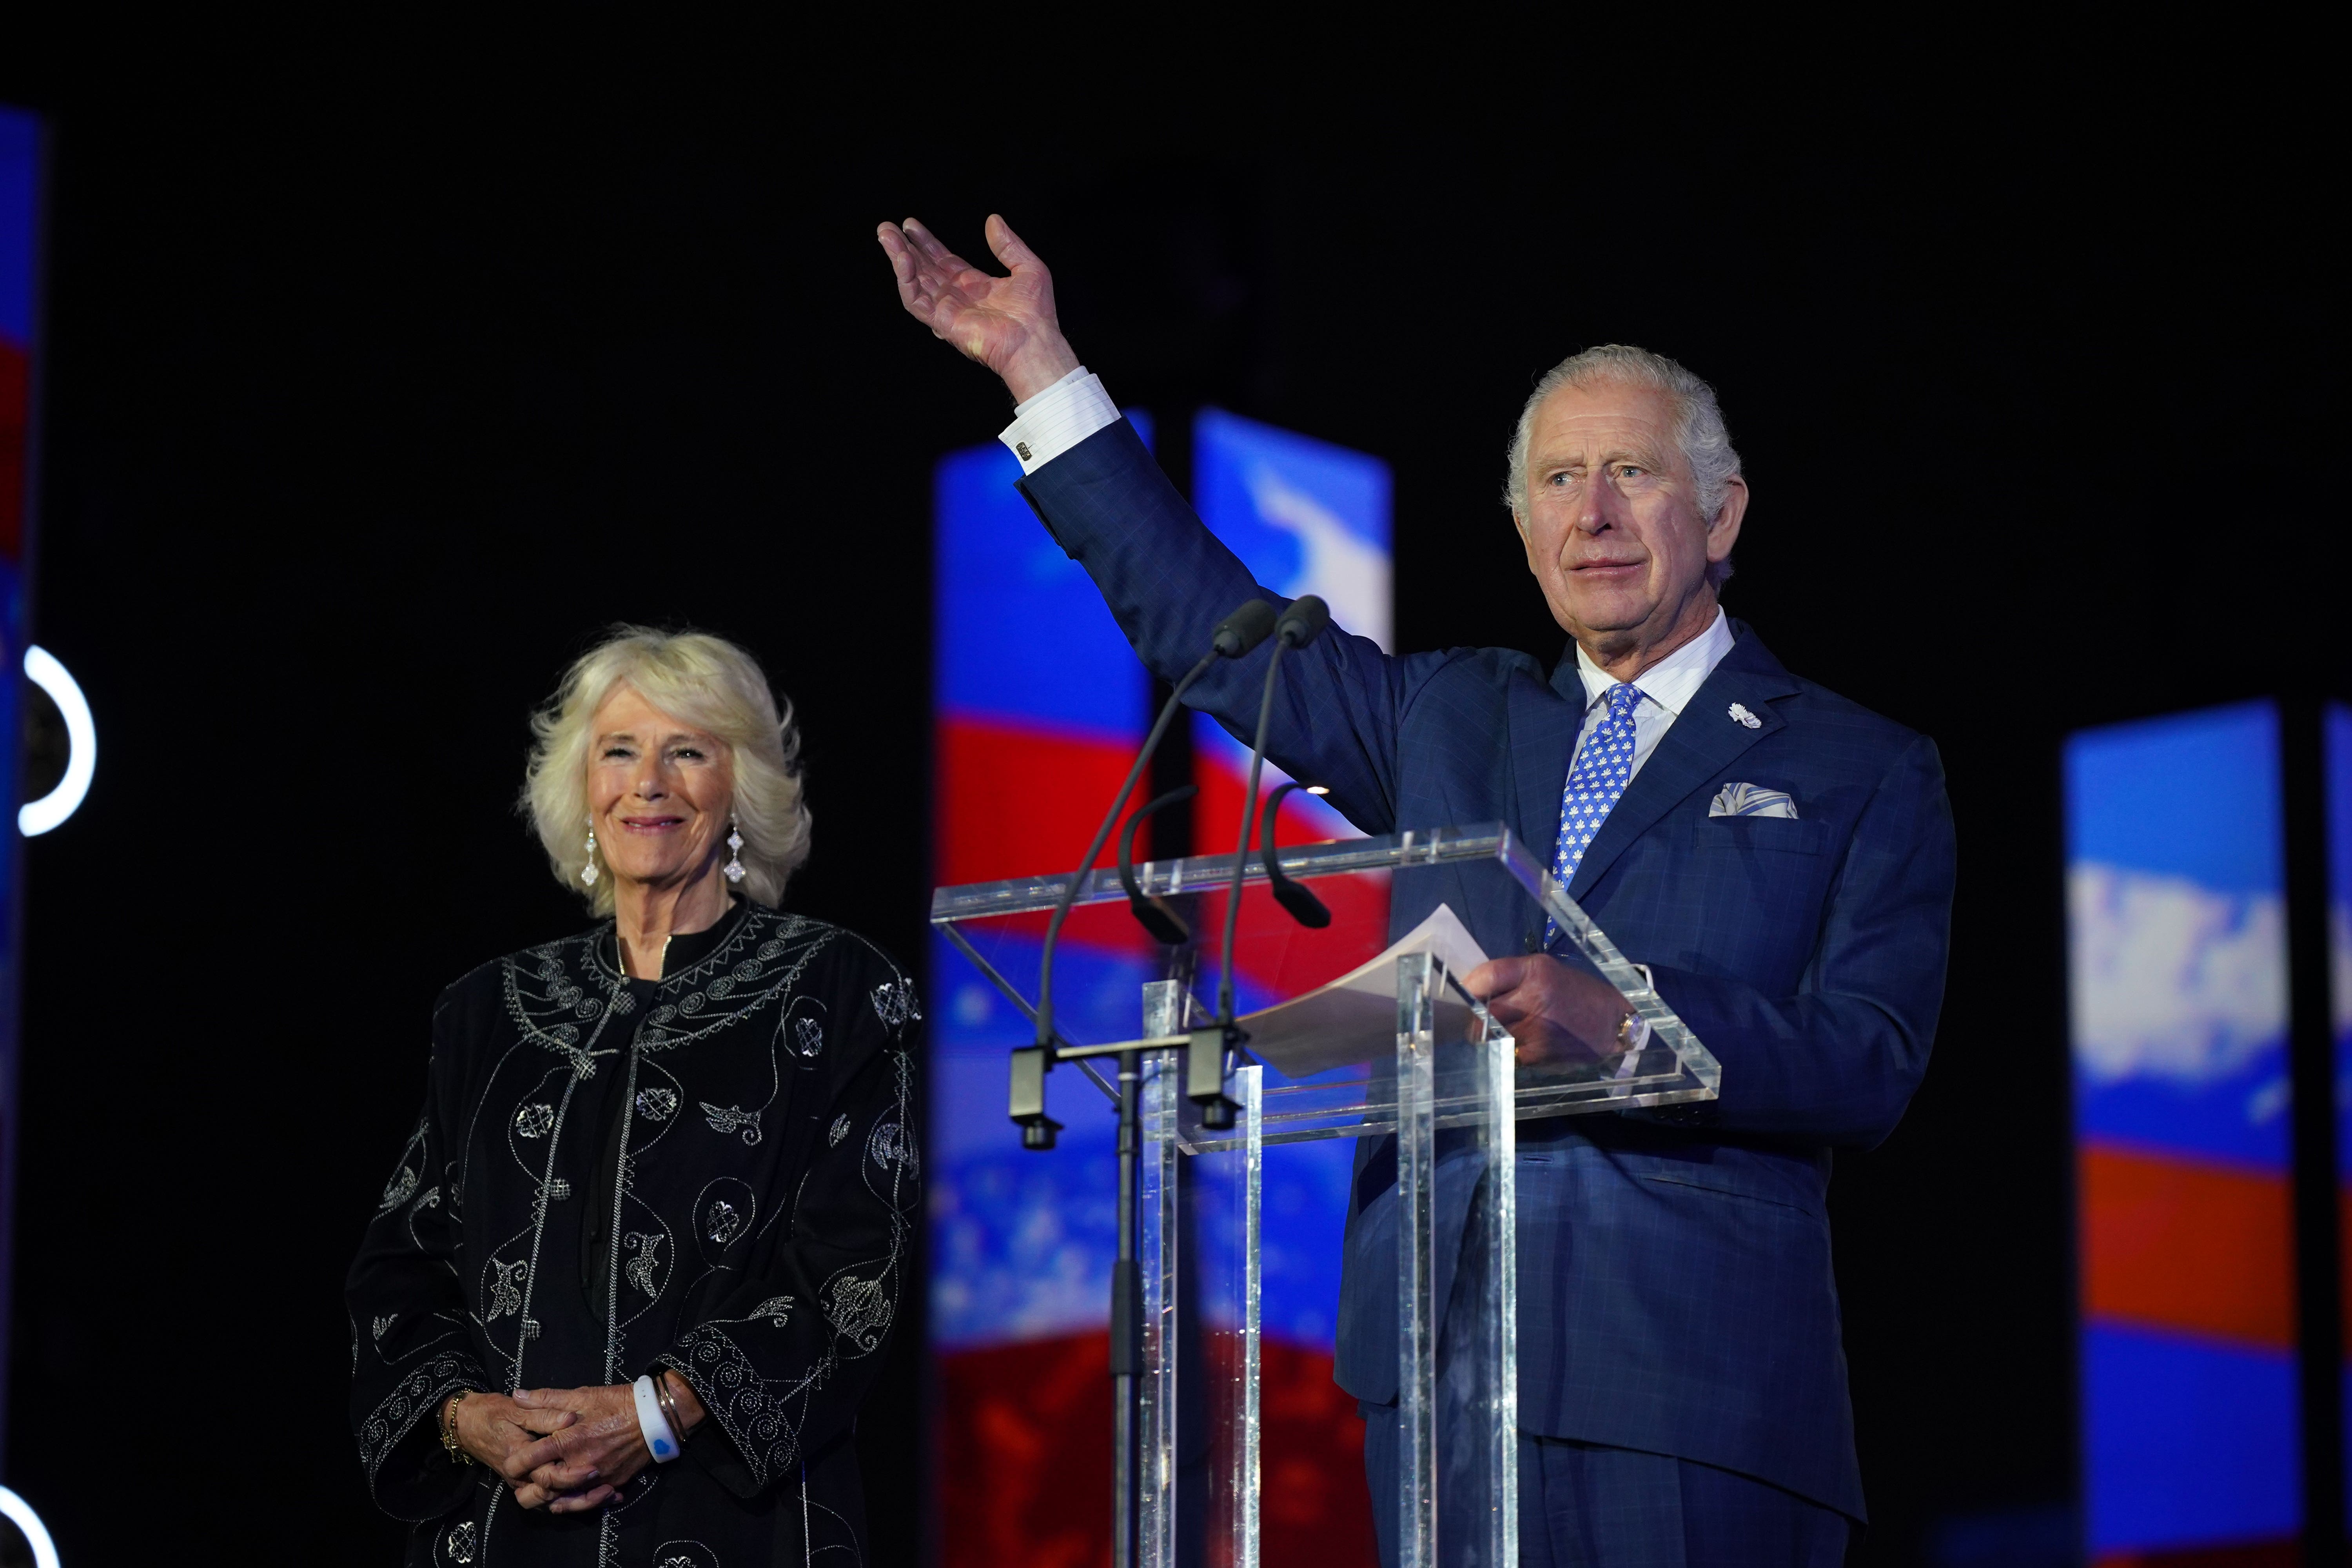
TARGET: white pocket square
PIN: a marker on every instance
(1751, 800)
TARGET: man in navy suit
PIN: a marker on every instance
(1779, 858)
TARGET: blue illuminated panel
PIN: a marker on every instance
(2176, 934)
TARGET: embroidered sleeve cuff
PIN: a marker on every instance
(1058, 419)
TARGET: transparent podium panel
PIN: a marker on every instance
(1356, 1049)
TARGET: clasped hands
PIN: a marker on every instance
(566, 1450)
(1556, 1013)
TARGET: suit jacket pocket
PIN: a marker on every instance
(1768, 834)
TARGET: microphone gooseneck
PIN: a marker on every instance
(1297, 626)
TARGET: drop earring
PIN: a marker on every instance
(733, 869)
(588, 872)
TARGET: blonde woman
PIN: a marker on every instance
(630, 1278)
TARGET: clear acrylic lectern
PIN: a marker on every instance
(1375, 1042)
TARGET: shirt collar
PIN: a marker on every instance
(1671, 682)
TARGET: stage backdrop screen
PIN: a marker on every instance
(2176, 925)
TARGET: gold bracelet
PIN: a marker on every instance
(457, 1454)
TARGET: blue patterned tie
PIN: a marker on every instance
(1602, 770)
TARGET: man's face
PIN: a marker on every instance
(1611, 521)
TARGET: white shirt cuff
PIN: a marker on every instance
(1058, 419)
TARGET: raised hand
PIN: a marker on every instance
(1006, 323)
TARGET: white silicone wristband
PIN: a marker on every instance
(660, 1441)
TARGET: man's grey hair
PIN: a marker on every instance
(1699, 430)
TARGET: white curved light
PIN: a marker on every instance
(35, 817)
(37, 1534)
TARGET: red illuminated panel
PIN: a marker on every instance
(1313, 1504)
(2187, 1245)
(1026, 1424)
(1023, 1474)
(1017, 801)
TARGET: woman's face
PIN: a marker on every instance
(658, 790)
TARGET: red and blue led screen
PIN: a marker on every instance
(2176, 925)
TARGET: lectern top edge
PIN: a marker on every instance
(1207, 873)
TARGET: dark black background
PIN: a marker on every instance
(384, 371)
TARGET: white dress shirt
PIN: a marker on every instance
(1666, 688)
(1058, 419)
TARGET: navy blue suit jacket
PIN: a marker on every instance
(1675, 1291)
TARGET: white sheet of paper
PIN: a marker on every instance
(1353, 1018)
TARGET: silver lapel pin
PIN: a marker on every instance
(1739, 711)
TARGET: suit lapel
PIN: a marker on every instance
(1544, 726)
(1703, 741)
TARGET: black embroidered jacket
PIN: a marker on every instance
(715, 1171)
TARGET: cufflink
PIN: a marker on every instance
(1022, 447)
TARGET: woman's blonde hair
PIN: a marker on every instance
(706, 681)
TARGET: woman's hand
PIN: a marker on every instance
(1008, 324)
(491, 1426)
(596, 1450)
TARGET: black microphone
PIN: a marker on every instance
(1304, 621)
(1234, 636)
(1246, 627)
(1295, 627)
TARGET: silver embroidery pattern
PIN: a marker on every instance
(396, 1190)
(893, 1149)
(860, 1311)
(840, 1130)
(657, 1104)
(641, 1267)
(384, 1323)
(411, 1399)
(460, 1542)
(895, 1004)
(731, 1118)
(724, 1222)
(810, 1033)
(757, 1416)
(535, 1120)
(505, 1293)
